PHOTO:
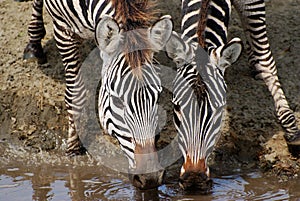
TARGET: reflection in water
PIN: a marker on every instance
(92, 182)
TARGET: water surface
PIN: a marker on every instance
(20, 180)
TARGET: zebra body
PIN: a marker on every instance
(216, 24)
(205, 22)
(130, 83)
(72, 22)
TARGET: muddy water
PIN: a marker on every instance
(43, 177)
(79, 179)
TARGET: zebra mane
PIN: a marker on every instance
(136, 15)
(199, 88)
(202, 22)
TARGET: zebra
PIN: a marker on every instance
(127, 102)
(199, 91)
(253, 17)
(197, 121)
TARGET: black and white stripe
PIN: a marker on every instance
(199, 98)
(72, 20)
(253, 17)
(252, 14)
(198, 106)
(217, 22)
(127, 105)
(199, 93)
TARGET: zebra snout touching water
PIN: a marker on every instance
(147, 173)
(199, 93)
(129, 93)
(128, 33)
(199, 100)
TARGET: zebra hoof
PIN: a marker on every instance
(34, 52)
(293, 143)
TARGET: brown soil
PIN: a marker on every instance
(33, 115)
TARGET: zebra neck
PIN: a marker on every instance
(190, 17)
(217, 13)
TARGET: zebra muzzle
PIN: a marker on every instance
(147, 180)
(195, 176)
(196, 181)
(148, 173)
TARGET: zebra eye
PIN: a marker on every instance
(176, 107)
(177, 114)
(117, 102)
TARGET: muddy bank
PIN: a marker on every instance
(33, 115)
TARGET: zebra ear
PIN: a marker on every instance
(232, 50)
(175, 49)
(107, 35)
(230, 53)
(160, 32)
(224, 56)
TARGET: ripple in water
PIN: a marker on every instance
(96, 183)
(251, 186)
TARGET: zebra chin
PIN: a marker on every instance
(147, 173)
(195, 177)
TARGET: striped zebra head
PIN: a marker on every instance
(128, 98)
(199, 97)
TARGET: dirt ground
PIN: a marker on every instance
(33, 115)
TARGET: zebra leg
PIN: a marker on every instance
(67, 44)
(36, 32)
(253, 17)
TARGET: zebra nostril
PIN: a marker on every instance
(148, 181)
(137, 182)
